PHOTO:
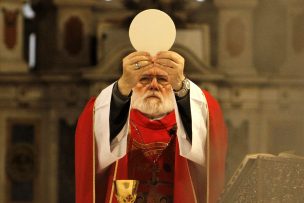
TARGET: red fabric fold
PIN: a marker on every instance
(183, 188)
(84, 155)
(217, 148)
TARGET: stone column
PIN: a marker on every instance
(11, 37)
(74, 32)
(235, 36)
(3, 143)
(295, 39)
(52, 154)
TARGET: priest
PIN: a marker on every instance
(156, 126)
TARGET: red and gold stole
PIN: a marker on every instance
(151, 152)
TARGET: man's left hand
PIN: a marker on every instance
(173, 64)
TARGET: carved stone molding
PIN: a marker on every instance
(75, 24)
(10, 27)
(75, 2)
(238, 140)
(293, 65)
(298, 33)
(73, 35)
(11, 37)
(27, 92)
(235, 52)
(21, 162)
(236, 3)
(235, 41)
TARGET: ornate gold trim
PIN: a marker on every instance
(149, 145)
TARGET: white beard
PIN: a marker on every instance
(153, 107)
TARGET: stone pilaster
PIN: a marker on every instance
(235, 55)
(3, 144)
(74, 25)
(52, 154)
(11, 38)
(295, 40)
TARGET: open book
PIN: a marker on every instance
(266, 178)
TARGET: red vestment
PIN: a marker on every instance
(91, 188)
(151, 152)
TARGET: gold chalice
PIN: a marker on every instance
(126, 190)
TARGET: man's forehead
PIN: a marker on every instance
(155, 71)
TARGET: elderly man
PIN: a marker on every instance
(156, 126)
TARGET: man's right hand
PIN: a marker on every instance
(133, 66)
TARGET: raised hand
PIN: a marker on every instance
(173, 64)
(133, 66)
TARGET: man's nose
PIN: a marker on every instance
(154, 84)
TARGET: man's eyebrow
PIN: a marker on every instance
(152, 75)
(146, 76)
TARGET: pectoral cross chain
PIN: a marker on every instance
(155, 170)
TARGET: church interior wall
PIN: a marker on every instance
(249, 55)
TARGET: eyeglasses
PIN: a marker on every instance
(147, 79)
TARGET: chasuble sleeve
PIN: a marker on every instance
(217, 149)
(183, 105)
(119, 110)
(194, 149)
(108, 151)
(84, 164)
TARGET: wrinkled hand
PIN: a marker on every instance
(173, 64)
(131, 72)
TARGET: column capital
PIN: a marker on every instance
(74, 2)
(294, 2)
(235, 53)
(12, 1)
(236, 3)
(11, 38)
